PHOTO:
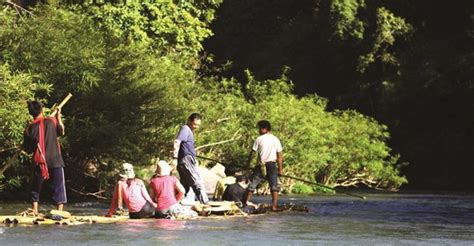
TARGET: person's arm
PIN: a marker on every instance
(146, 195)
(120, 195)
(60, 128)
(175, 152)
(176, 145)
(280, 162)
(115, 200)
(152, 194)
(279, 157)
(28, 144)
(182, 136)
(179, 188)
(252, 152)
(250, 157)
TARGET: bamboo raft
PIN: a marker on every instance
(216, 210)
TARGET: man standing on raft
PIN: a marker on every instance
(270, 153)
(185, 156)
(41, 138)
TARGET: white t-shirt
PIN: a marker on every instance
(267, 146)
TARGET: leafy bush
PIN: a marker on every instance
(302, 189)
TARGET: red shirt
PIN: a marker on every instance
(165, 191)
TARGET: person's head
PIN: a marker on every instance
(163, 169)
(241, 179)
(264, 126)
(35, 108)
(194, 121)
(126, 171)
(230, 170)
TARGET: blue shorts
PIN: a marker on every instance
(56, 183)
(272, 177)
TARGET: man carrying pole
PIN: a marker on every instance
(270, 162)
(41, 139)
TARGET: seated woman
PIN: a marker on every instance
(166, 190)
(133, 192)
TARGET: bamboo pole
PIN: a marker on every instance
(299, 179)
(327, 187)
(64, 101)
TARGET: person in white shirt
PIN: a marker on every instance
(270, 162)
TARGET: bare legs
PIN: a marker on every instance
(248, 196)
(34, 206)
(274, 200)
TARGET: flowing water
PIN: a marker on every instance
(382, 219)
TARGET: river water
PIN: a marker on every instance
(382, 219)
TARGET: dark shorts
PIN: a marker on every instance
(272, 177)
(55, 181)
(147, 211)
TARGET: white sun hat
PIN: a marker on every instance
(163, 168)
(127, 171)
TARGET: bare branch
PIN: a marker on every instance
(18, 7)
(9, 162)
(94, 194)
(223, 119)
(234, 138)
(9, 149)
(216, 143)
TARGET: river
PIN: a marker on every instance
(381, 219)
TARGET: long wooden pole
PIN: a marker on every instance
(64, 101)
(299, 179)
(209, 159)
(327, 187)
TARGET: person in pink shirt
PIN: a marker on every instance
(133, 192)
(167, 191)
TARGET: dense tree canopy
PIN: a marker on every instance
(132, 67)
(408, 64)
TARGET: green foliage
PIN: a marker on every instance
(389, 29)
(163, 25)
(343, 148)
(15, 90)
(302, 189)
(124, 105)
(346, 20)
(145, 173)
(129, 71)
(50, 47)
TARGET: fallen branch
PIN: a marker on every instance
(9, 162)
(94, 194)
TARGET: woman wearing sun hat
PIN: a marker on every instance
(133, 192)
(166, 190)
